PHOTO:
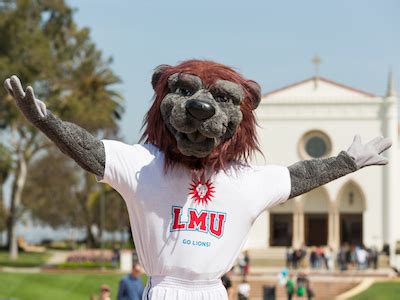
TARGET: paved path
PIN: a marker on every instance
(57, 257)
(20, 270)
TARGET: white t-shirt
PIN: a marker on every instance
(182, 227)
(244, 289)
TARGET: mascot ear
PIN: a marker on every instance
(157, 74)
(256, 92)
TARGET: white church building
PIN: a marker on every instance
(317, 118)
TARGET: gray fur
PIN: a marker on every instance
(194, 137)
(76, 142)
(184, 80)
(257, 89)
(230, 88)
(157, 74)
(310, 174)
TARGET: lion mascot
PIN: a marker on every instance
(191, 192)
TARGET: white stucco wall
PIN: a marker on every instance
(285, 116)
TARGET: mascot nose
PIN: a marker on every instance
(199, 109)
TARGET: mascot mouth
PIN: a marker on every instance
(194, 143)
(194, 137)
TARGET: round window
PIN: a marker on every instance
(315, 144)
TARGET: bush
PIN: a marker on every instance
(90, 255)
(85, 265)
(60, 245)
(25, 260)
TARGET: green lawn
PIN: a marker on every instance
(47, 286)
(381, 291)
(24, 259)
(85, 265)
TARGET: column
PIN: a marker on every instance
(295, 238)
(331, 224)
(336, 226)
(390, 179)
(301, 221)
(298, 223)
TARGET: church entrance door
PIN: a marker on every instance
(351, 226)
(281, 229)
(316, 233)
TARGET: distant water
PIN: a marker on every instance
(36, 233)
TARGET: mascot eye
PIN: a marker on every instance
(183, 91)
(224, 99)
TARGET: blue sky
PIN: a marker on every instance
(270, 42)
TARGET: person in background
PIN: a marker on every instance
(116, 256)
(226, 281)
(290, 287)
(105, 292)
(328, 259)
(296, 258)
(241, 263)
(313, 258)
(301, 284)
(244, 290)
(386, 249)
(289, 257)
(309, 291)
(372, 257)
(283, 276)
(303, 255)
(246, 268)
(131, 286)
(361, 258)
(320, 256)
(342, 259)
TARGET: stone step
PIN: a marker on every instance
(272, 252)
(276, 257)
(326, 289)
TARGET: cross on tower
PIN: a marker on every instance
(316, 61)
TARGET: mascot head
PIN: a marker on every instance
(202, 115)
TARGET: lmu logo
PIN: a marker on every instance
(207, 221)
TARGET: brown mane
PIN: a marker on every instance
(239, 148)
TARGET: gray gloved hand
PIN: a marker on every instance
(87, 150)
(369, 154)
(33, 109)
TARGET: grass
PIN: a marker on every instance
(24, 259)
(381, 291)
(60, 286)
(86, 265)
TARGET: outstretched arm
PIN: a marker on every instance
(310, 174)
(76, 142)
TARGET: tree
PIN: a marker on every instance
(54, 195)
(5, 167)
(42, 44)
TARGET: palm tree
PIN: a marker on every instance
(5, 168)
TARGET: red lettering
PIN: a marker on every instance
(197, 221)
(176, 224)
(221, 219)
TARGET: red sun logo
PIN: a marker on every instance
(201, 192)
